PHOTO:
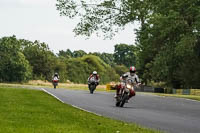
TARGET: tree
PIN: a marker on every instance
(170, 35)
(79, 53)
(107, 16)
(68, 53)
(169, 32)
(79, 69)
(121, 69)
(41, 59)
(125, 55)
(106, 57)
(13, 64)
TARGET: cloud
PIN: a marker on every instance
(26, 3)
(9, 3)
(36, 2)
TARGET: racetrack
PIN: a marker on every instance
(173, 115)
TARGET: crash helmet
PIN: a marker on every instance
(94, 72)
(56, 74)
(132, 69)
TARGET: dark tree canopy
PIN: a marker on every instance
(13, 64)
(167, 40)
(125, 55)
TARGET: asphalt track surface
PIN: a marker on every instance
(168, 114)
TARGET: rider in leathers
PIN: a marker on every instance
(55, 75)
(131, 75)
(96, 76)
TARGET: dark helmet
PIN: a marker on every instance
(132, 69)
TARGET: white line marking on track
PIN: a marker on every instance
(72, 104)
(191, 100)
(52, 95)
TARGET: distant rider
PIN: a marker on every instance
(55, 76)
(96, 76)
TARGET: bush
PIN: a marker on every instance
(13, 64)
(79, 69)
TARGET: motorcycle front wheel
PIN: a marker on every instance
(125, 97)
(92, 88)
(54, 85)
(117, 103)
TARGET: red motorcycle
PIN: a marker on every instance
(55, 82)
(124, 94)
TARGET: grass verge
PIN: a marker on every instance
(25, 111)
(85, 87)
(193, 97)
(38, 83)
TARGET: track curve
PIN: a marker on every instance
(173, 115)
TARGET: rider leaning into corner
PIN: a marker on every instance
(96, 76)
(130, 75)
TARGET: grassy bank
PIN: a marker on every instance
(39, 83)
(27, 111)
(193, 97)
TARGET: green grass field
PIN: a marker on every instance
(33, 111)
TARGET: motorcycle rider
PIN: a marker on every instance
(96, 76)
(55, 76)
(131, 75)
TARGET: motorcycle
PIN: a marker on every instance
(124, 95)
(92, 85)
(55, 82)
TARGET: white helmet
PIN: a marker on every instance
(94, 72)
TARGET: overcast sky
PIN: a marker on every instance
(39, 20)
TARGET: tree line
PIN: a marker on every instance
(168, 39)
(22, 60)
(167, 46)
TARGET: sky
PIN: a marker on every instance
(39, 20)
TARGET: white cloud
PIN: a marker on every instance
(36, 2)
(8, 3)
(26, 3)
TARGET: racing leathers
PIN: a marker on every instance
(97, 79)
(55, 77)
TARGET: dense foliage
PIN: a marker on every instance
(125, 55)
(23, 60)
(40, 57)
(168, 39)
(13, 64)
(171, 35)
(167, 46)
(79, 69)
